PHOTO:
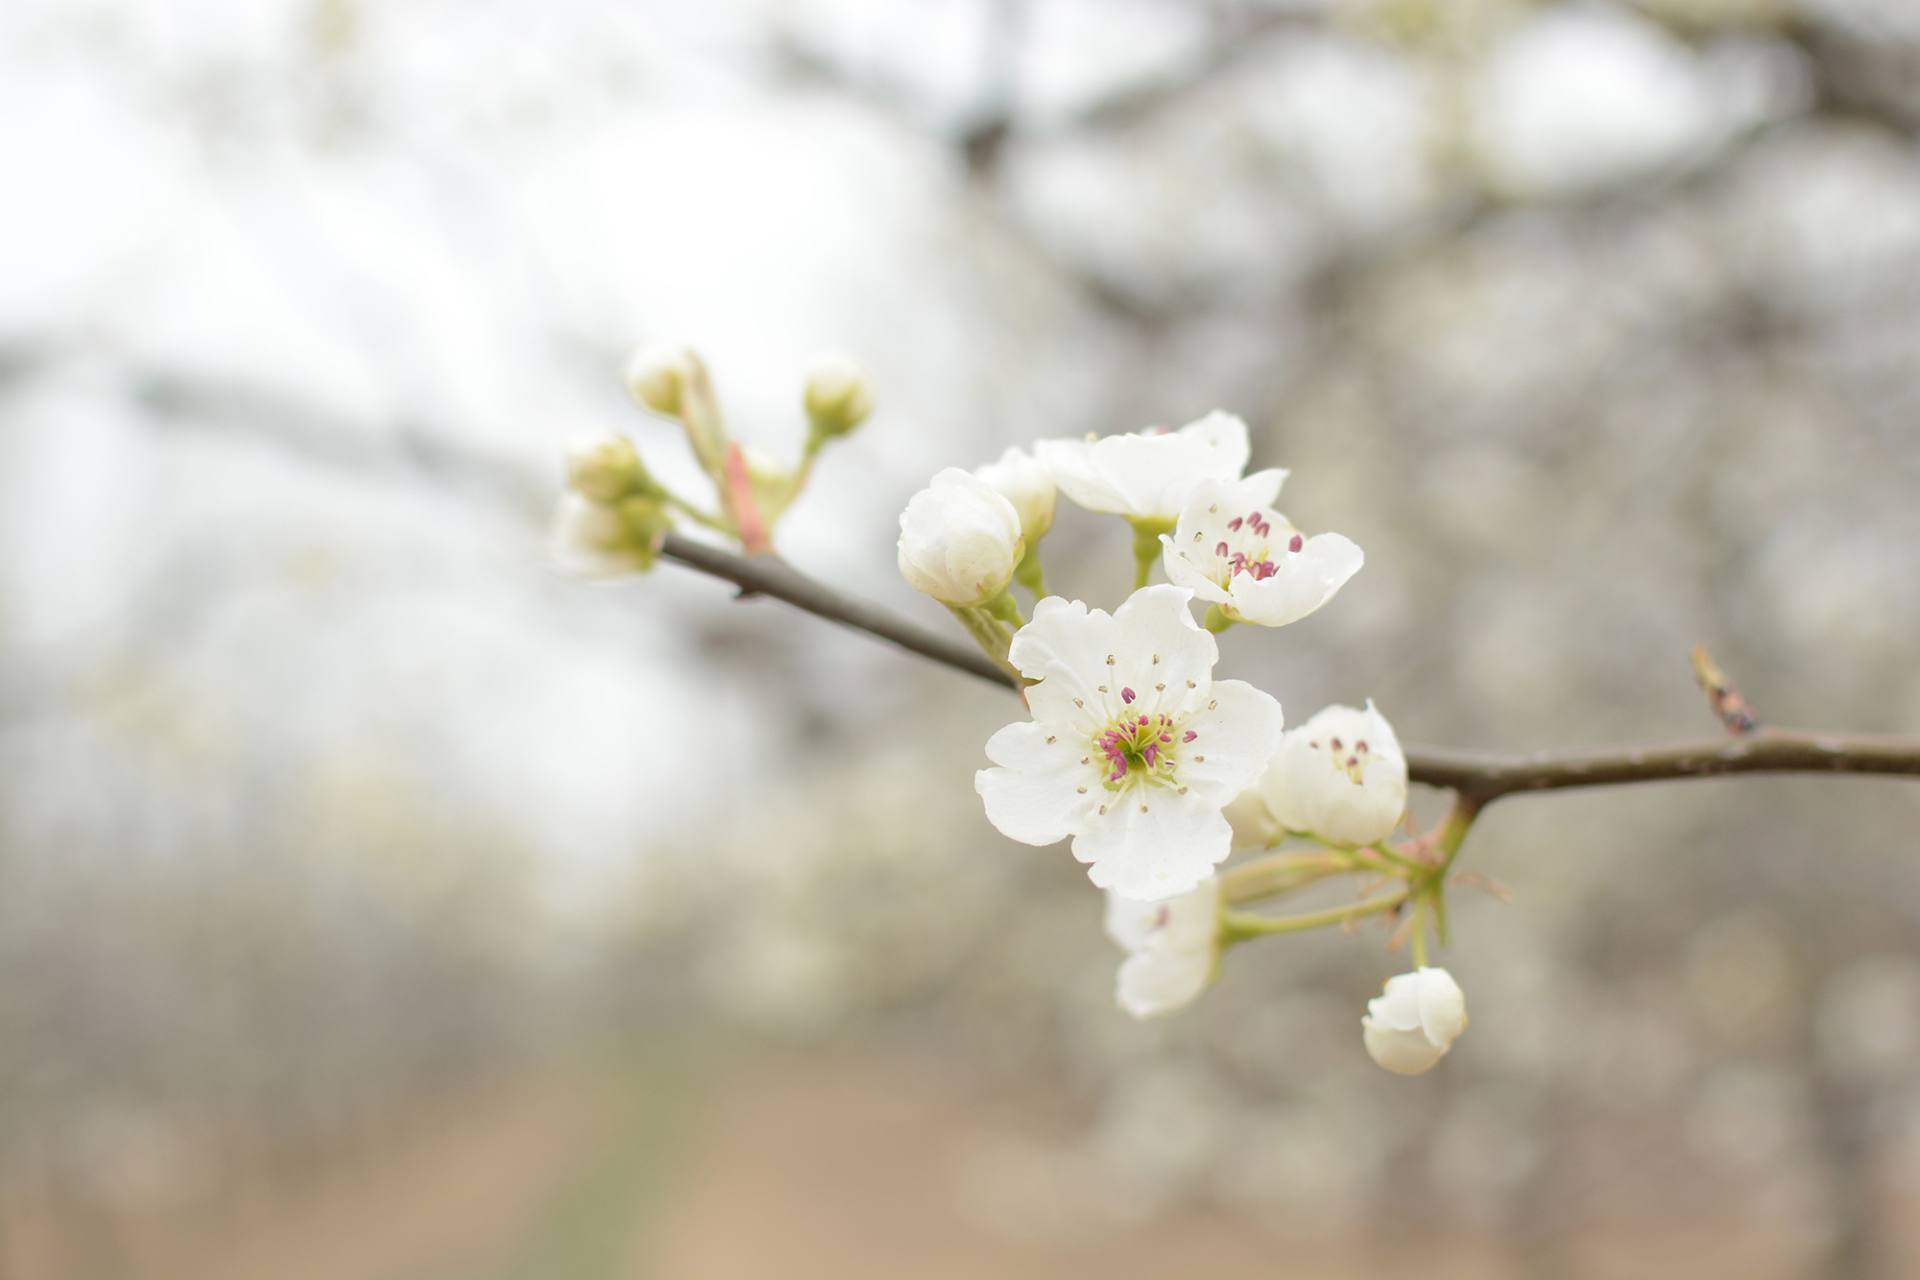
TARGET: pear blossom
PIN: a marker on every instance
(1340, 776)
(1134, 749)
(1020, 479)
(1411, 1025)
(959, 540)
(1151, 475)
(1172, 948)
(1248, 559)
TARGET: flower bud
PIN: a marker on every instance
(657, 378)
(600, 540)
(959, 540)
(1172, 946)
(838, 398)
(1412, 1024)
(1340, 776)
(606, 470)
(1022, 480)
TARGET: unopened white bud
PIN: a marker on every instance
(959, 540)
(1022, 480)
(1411, 1025)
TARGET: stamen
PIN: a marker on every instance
(1109, 659)
(1296, 542)
(1233, 525)
(1220, 549)
(1190, 735)
(1126, 695)
(1051, 739)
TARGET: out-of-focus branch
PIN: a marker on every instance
(773, 577)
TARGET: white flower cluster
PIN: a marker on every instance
(1152, 767)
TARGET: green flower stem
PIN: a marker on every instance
(1236, 926)
(1453, 834)
(1005, 609)
(1029, 574)
(1281, 873)
(1146, 548)
(989, 633)
(1216, 619)
(695, 514)
(1420, 930)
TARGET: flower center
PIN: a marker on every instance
(1142, 748)
(1250, 550)
(1348, 758)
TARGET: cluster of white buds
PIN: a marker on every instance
(1152, 767)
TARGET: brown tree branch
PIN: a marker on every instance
(1482, 776)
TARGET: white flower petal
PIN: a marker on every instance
(1235, 735)
(1406, 1053)
(1309, 790)
(1040, 793)
(1147, 475)
(1159, 625)
(1305, 580)
(1025, 482)
(1443, 1006)
(959, 540)
(1064, 647)
(1186, 922)
(1153, 843)
(1252, 822)
(1153, 983)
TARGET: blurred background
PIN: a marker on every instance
(378, 904)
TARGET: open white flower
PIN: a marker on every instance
(1134, 749)
(1020, 479)
(1412, 1024)
(1246, 558)
(1172, 948)
(1340, 776)
(1150, 475)
(959, 540)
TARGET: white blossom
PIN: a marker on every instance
(1412, 1024)
(1172, 948)
(1134, 749)
(1020, 479)
(959, 540)
(1248, 559)
(1340, 776)
(1151, 475)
